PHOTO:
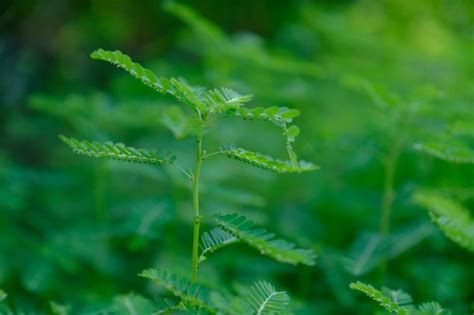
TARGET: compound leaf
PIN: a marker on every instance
(214, 240)
(264, 299)
(117, 151)
(266, 243)
(432, 308)
(132, 304)
(453, 220)
(192, 294)
(123, 61)
(224, 99)
(267, 162)
(183, 92)
(277, 115)
(383, 300)
(456, 153)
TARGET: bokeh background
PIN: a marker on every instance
(372, 79)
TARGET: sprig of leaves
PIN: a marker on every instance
(451, 152)
(267, 162)
(376, 295)
(117, 151)
(266, 243)
(214, 240)
(454, 220)
(277, 115)
(182, 91)
(192, 294)
(265, 300)
(398, 301)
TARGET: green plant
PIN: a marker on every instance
(452, 218)
(262, 298)
(398, 301)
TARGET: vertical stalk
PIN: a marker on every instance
(197, 218)
(289, 147)
(387, 199)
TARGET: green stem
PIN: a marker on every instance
(289, 147)
(197, 218)
(387, 199)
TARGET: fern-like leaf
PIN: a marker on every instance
(278, 115)
(224, 99)
(460, 232)
(193, 295)
(265, 242)
(132, 304)
(117, 151)
(398, 296)
(384, 300)
(214, 240)
(451, 152)
(454, 220)
(432, 308)
(264, 299)
(123, 61)
(267, 162)
(178, 89)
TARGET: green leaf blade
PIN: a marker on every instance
(265, 300)
(213, 240)
(117, 151)
(267, 162)
(454, 153)
(376, 295)
(192, 294)
(266, 243)
(123, 61)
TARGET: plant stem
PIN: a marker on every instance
(197, 218)
(387, 200)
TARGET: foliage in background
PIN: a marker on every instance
(386, 88)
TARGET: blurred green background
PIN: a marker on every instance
(372, 79)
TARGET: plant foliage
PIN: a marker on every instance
(266, 243)
(264, 299)
(454, 220)
(397, 301)
(191, 294)
(214, 240)
(267, 162)
(117, 151)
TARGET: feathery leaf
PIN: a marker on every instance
(451, 152)
(277, 115)
(214, 240)
(123, 61)
(384, 301)
(267, 162)
(117, 151)
(132, 304)
(224, 99)
(454, 220)
(265, 242)
(432, 308)
(193, 295)
(178, 89)
(265, 300)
